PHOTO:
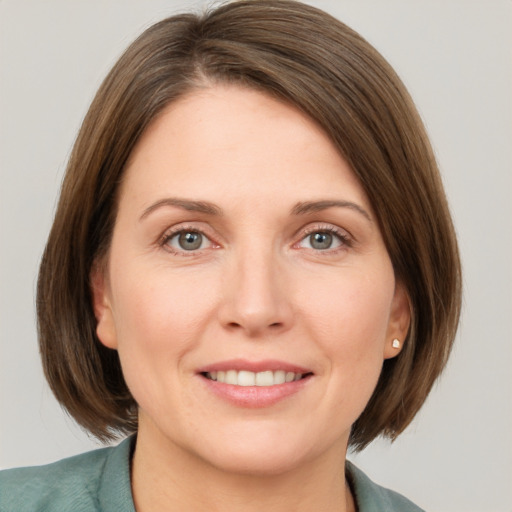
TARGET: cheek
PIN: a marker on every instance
(158, 320)
(349, 317)
(158, 304)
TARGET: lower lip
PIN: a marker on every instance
(253, 397)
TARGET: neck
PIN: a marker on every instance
(166, 477)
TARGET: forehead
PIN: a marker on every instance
(233, 142)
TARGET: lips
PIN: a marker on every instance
(254, 384)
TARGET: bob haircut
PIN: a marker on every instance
(308, 59)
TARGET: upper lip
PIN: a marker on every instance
(253, 366)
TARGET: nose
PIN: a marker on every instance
(256, 298)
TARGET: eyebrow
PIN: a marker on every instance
(301, 208)
(184, 204)
(307, 207)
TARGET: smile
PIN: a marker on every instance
(255, 384)
(247, 378)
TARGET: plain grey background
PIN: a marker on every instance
(455, 57)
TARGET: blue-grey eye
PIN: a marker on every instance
(188, 241)
(321, 240)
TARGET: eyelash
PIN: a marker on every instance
(345, 240)
(170, 234)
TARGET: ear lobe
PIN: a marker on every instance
(101, 302)
(399, 322)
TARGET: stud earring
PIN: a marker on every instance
(396, 343)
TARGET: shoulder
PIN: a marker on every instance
(371, 497)
(75, 483)
(70, 482)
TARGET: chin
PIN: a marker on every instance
(266, 453)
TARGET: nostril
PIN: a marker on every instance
(275, 326)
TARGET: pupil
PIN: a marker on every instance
(190, 241)
(321, 240)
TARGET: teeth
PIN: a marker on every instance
(265, 379)
(279, 377)
(245, 378)
(231, 377)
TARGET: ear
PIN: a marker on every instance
(102, 306)
(399, 322)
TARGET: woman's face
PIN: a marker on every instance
(248, 289)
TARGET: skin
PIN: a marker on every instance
(257, 289)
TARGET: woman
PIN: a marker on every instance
(251, 268)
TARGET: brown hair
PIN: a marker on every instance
(311, 60)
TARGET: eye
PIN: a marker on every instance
(188, 240)
(323, 240)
